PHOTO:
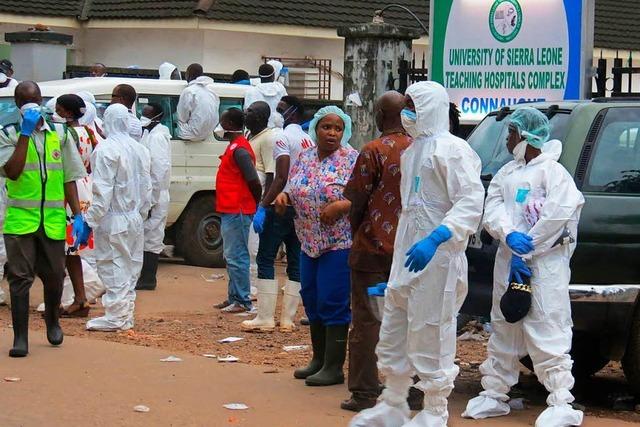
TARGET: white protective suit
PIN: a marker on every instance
(545, 332)
(440, 185)
(271, 93)
(134, 127)
(115, 218)
(158, 142)
(198, 110)
(90, 117)
(165, 70)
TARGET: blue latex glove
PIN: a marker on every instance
(80, 230)
(519, 269)
(258, 220)
(30, 120)
(421, 253)
(519, 242)
(377, 290)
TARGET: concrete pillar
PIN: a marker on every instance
(38, 55)
(371, 58)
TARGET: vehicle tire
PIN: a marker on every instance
(631, 359)
(199, 238)
(586, 358)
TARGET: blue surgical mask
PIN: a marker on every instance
(410, 115)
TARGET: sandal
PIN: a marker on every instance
(77, 309)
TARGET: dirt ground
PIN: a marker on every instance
(178, 319)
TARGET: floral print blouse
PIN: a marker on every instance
(314, 184)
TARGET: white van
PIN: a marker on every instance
(192, 224)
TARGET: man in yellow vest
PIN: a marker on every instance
(41, 164)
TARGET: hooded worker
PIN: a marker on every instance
(168, 71)
(198, 106)
(532, 208)
(157, 139)
(115, 218)
(442, 198)
(268, 90)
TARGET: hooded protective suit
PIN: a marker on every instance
(440, 186)
(198, 110)
(165, 70)
(553, 204)
(158, 142)
(271, 93)
(115, 218)
(90, 117)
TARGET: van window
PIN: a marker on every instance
(9, 113)
(167, 104)
(489, 140)
(227, 103)
(615, 164)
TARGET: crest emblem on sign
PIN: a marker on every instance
(505, 20)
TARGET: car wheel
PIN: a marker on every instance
(199, 237)
(586, 357)
(631, 359)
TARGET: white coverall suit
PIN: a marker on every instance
(116, 220)
(271, 93)
(158, 142)
(440, 185)
(198, 110)
(545, 332)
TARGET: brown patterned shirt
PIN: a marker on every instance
(374, 191)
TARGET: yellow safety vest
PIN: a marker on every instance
(37, 198)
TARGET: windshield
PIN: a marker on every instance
(489, 140)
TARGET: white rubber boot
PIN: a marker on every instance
(290, 302)
(267, 298)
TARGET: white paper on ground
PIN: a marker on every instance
(295, 347)
(171, 359)
(141, 408)
(230, 340)
(210, 356)
(236, 406)
(228, 359)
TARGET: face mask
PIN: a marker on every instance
(409, 118)
(520, 150)
(145, 121)
(3, 78)
(286, 115)
(58, 119)
(29, 106)
(219, 131)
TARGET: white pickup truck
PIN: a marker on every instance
(192, 225)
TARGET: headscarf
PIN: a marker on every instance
(325, 111)
(533, 126)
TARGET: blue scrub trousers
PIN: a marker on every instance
(326, 287)
(235, 247)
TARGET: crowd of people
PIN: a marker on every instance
(394, 217)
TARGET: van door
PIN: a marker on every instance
(179, 180)
(609, 233)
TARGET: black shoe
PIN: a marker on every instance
(304, 321)
(147, 280)
(52, 295)
(318, 341)
(334, 355)
(357, 404)
(20, 319)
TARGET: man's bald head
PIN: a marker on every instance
(27, 92)
(387, 111)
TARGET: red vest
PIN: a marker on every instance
(232, 191)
